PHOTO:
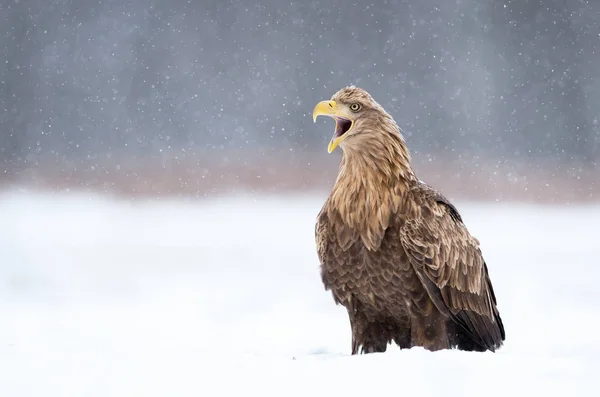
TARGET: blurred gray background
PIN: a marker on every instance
(497, 99)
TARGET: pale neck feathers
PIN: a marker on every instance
(375, 174)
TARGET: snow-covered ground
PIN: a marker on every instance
(223, 297)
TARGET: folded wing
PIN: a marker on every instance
(451, 267)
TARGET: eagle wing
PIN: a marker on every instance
(451, 267)
(332, 249)
(325, 234)
(321, 237)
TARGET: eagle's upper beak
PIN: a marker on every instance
(343, 123)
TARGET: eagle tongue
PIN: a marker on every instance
(341, 126)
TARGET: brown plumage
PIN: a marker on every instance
(393, 250)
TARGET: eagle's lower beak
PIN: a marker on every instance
(342, 122)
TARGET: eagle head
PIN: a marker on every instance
(358, 118)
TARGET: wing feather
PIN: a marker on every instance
(449, 263)
(321, 237)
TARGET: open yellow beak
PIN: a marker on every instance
(330, 108)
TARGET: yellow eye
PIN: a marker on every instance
(355, 107)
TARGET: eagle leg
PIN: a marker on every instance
(402, 337)
(369, 338)
(430, 331)
(368, 335)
